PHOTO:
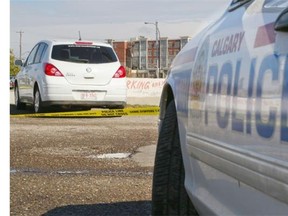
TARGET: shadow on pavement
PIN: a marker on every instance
(134, 208)
(29, 110)
(14, 111)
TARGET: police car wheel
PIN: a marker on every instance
(169, 196)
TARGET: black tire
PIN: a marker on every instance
(117, 107)
(19, 105)
(169, 196)
(37, 103)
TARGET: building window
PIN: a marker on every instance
(151, 45)
(177, 44)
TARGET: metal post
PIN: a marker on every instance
(157, 50)
(20, 44)
(157, 47)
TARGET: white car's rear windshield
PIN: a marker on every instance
(83, 54)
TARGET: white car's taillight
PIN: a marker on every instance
(120, 73)
(51, 70)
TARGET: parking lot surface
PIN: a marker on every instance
(81, 166)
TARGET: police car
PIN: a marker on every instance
(223, 125)
(71, 73)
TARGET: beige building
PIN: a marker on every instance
(141, 57)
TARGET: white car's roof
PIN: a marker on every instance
(69, 41)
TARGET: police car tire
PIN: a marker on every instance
(19, 105)
(169, 196)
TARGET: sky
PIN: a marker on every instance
(110, 19)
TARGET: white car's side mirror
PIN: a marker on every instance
(18, 62)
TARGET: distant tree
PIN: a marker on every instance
(13, 68)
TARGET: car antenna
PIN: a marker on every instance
(79, 36)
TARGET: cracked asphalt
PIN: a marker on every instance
(55, 169)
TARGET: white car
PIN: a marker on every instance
(223, 131)
(71, 73)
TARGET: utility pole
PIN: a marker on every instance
(157, 47)
(79, 36)
(20, 44)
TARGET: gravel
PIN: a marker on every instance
(54, 168)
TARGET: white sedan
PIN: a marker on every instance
(71, 73)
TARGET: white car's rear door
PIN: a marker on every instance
(88, 74)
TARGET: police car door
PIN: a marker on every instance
(238, 117)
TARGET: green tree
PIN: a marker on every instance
(13, 68)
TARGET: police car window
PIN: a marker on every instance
(237, 3)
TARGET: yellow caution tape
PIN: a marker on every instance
(98, 113)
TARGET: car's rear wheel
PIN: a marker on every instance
(37, 104)
(117, 107)
(169, 196)
(19, 105)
